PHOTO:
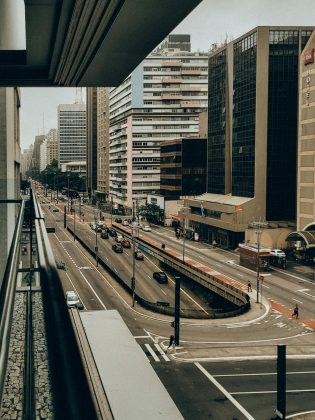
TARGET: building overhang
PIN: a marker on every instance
(89, 43)
(308, 237)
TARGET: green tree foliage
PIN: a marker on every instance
(152, 212)
(53, 178)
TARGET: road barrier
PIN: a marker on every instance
(242, 307)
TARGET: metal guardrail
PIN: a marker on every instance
(218, 286)
(71, 394)
(7, 295)
(156, 306)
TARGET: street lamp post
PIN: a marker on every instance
(133, 278)
(74, 224)
(68, 175)
(96, 248)
(258, 226)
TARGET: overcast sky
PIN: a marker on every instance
(211, 22)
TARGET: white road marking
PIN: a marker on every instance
(280, 324)
(299, 414)
(225, 392)
(239, 274)
(262, 374)
(151, 351)
(304, 291)
(218, 265)
(163, 291)
(267, 287)
(297, 301)
(96, 295)
(127, 253)
(162, 353)
(271, 392)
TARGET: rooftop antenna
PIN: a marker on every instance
(78, 96)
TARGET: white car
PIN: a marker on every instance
(72, 299)
(125, 223)
(146, 228)
(119, 238)
(277, 253)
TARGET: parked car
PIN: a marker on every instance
(139, 255)
(125, 223)
(56, 210)
(119, 238)
(98, 229)
(117, 248)
(112, 233)
(104, 235)
(118, 220)
(125, 243)
(160, 277)
(146, 228)
(72, 299)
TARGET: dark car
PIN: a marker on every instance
(139, 255)
(118, 220)
(160, 277)
(56, 210)
(125, 243)
(112, 233)
(117, 248)
(104, 234)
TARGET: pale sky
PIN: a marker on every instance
(211, 22)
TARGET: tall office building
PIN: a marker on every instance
(49, 149)
(306, 145)
(91, 152)
(160, 100)
(71, 132)
(36, 151)
(9, 168)
(26, 160)
(252, 133)
(102, 192)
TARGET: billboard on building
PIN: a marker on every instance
(156, 199)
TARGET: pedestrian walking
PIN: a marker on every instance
(295, 312)
(172, 341)
(249, 286)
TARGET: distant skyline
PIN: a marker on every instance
(211, 22)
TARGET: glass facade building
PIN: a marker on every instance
(244, 116)
(252, 116)
(217, 86)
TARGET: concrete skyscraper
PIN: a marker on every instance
(160, 100)
(71, 133)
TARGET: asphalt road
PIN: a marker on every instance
(237, 390)
(201, 390)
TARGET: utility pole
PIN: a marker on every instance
(281, 382)
(133, 278)
(96, 248)
(68, 191)
(74, 224)
(258, 226)
(177, 310)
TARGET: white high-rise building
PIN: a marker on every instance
(71, 133)
(26, 160)
(160, 100)
(48, 149)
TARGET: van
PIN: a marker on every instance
(72, 299)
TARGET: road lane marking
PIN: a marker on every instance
(297, 301)
(224, 392)
(163, 291)
(304, 291)
(227, 375)
(151, 351)
(270, 392)
(300, 414)
(162, 353)
(96, 295)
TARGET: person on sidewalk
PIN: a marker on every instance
(171, 343)
(295, 312)
(249, 287)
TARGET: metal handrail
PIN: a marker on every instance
(7, 294)
(71, 394)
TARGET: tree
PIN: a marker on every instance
(152, 212)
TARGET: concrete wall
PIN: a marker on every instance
(9, 168)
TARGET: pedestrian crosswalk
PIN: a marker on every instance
(156, 352)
